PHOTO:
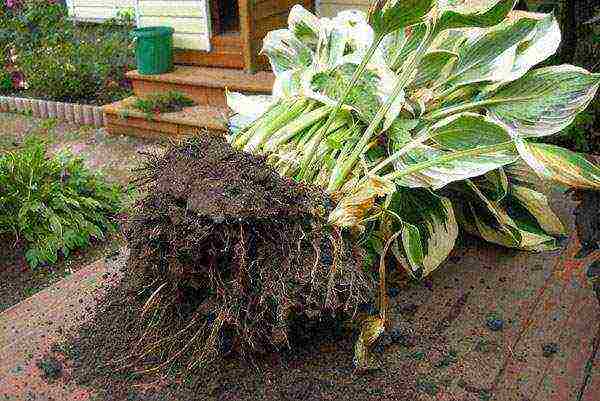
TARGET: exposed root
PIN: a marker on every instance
(235, 253)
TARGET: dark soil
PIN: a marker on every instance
(232, 253)
(317, 366)
(19, 281)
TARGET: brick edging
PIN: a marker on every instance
(74, 113)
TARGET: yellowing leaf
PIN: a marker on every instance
(560, 165)
(371, 328)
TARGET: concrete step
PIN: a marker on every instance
(122, 119)
(205, 85)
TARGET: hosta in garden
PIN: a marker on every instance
(421, 118)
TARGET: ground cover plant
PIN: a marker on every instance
(157, 103)
(419, 119)
(49, 56)
(54, 204)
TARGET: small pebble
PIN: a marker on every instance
(550, 349)
(495, 324)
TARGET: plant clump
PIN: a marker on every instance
(158, 103)
(234, 253)
(53, 203)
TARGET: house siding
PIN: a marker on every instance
(97, 10)
(189, 18)
(330, 8)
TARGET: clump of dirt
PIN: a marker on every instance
(232, 253)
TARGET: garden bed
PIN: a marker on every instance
(115, 155)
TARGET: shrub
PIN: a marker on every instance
(55, 204)
(61, 60)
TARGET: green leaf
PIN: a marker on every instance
(467, 131)
(391, 15)
(395, 54)
(304, 25)
(540, 44)
(473, 13)
(429, 230)
(494, 184)
(560, 165)
(543, 101)
(507, 223)
(433, 67)
(489, 56)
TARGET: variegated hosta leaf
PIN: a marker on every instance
(390, 15)
(531, 191)
(473, 13)
(540, 44)
(304, 25)
(285, 51)
(351, 210)
(508, 223)
(560, 165)
(494, 184)
(429, 230)
(467, 145)
(434, 67)
(444, 167)
(543, 101)
(489, 56)
(395, 55)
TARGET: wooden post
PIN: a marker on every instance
(246, 34)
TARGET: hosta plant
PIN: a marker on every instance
(420, 118)
(53, 204)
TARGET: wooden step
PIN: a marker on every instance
(122, 119)
(205, 85)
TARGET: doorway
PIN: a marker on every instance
(225, 17)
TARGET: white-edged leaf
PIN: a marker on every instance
(466, 145)
(304, 25)
(246, 108)
(560, 165)
(435, 66)
(540, 44)
(489, 56)
(544, 101)
(473, 13)
(429, 230)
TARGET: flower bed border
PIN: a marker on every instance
(73, 113)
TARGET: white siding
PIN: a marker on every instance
(97, 10)
(329, 8)
(189, 18)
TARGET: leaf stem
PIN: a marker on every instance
(337, 180)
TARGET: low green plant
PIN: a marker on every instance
(54, 203)
(157, 103)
